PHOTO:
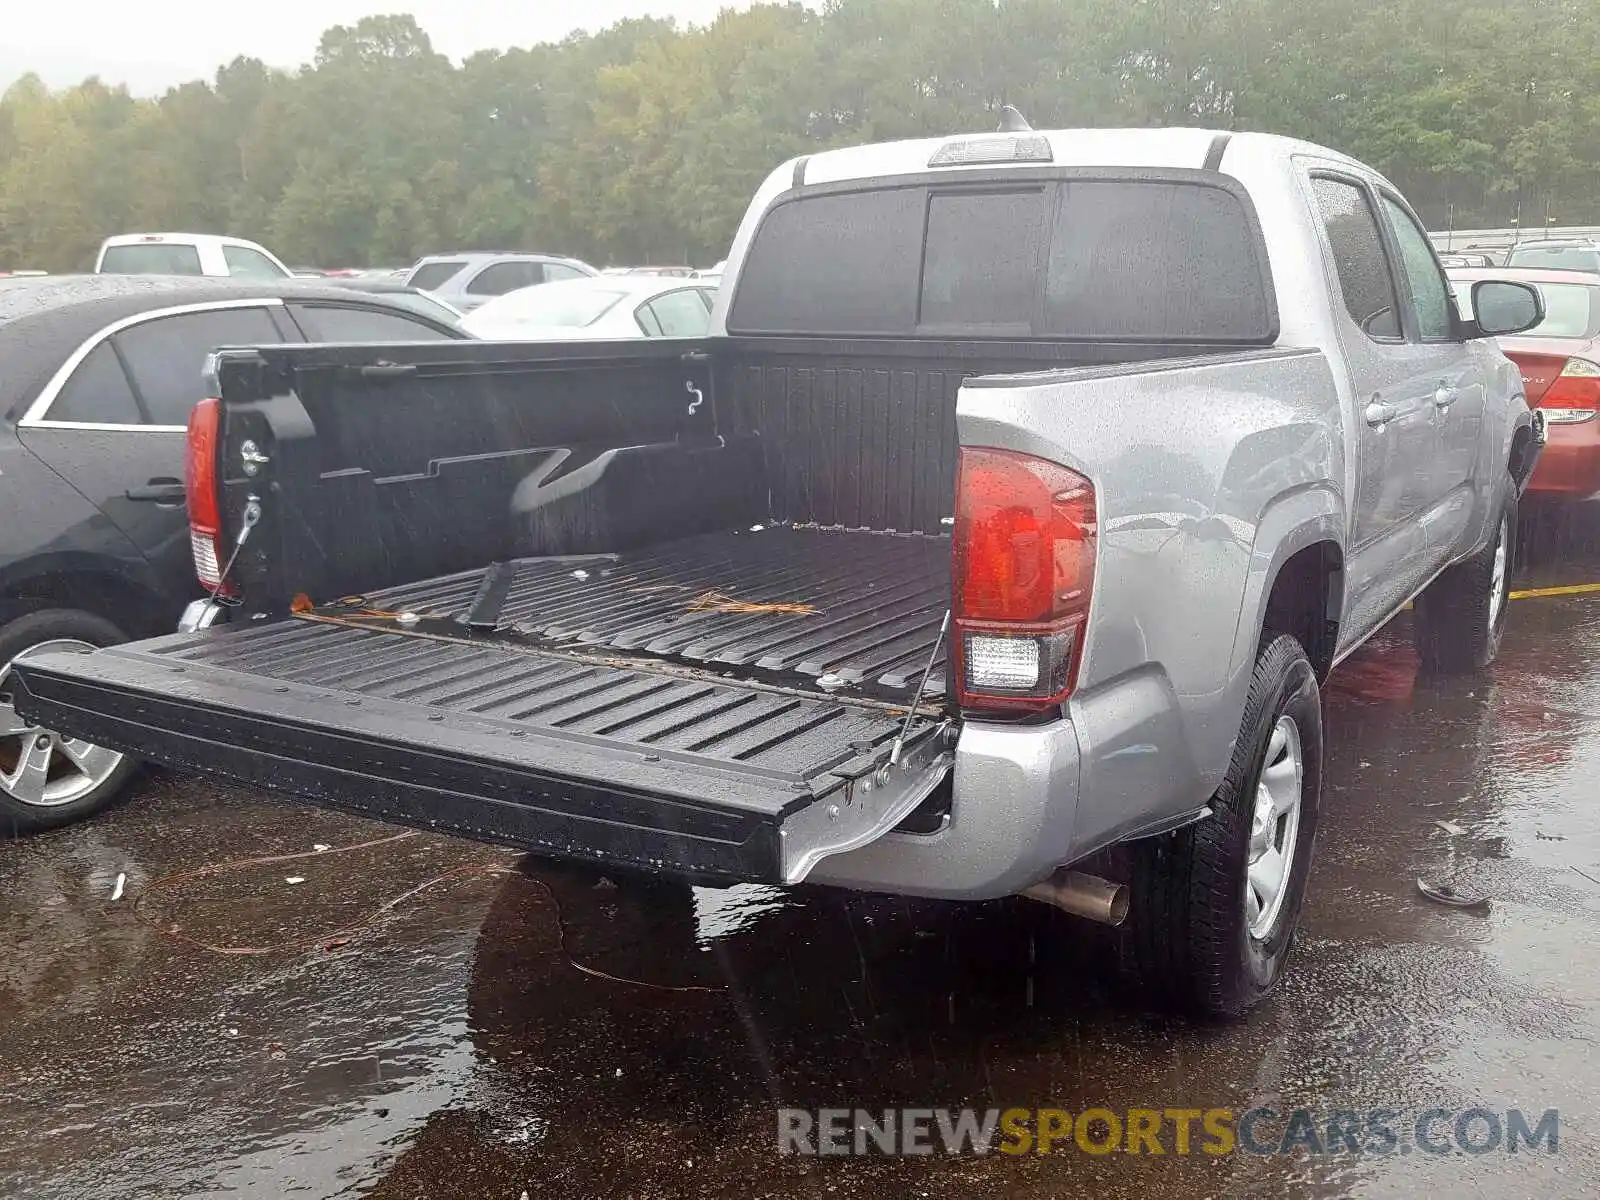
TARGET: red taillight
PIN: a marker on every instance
(1574, 394)
(200, 486)
(1023, 560)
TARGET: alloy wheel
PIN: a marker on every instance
(40, 768)
(1274, 828)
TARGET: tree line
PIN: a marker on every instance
(643, 142)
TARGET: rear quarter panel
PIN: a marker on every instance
(1208, 474)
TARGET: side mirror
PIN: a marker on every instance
(1502, 307)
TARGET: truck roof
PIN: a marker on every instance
(219, 239)
(1068, 148)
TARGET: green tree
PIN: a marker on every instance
(645, 140)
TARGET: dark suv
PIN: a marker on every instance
(97, 377)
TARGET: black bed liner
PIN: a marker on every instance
(876, 604)
(599, 717)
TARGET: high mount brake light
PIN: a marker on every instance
(205, 505)
(1023, 571)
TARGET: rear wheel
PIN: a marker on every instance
(1214, 906)
(1457, 622)
(47, 780)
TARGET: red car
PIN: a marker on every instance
(1560, 362)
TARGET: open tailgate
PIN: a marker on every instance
(640, 765)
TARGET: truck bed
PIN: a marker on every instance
(644, 708)
(860, 611)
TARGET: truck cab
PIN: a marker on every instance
(188, 254)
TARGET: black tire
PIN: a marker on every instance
(18, 634)
(1456, 622)
(1188, 942)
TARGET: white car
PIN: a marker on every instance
(606, 306)
(712, 275)
(187, 254)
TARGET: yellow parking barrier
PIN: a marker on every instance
(1573, 589)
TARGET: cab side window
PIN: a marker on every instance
(245, 263)
(1430, 294)
(1359, 258)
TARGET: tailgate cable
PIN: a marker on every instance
(922, 686)
(252, 516)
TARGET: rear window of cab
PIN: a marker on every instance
(151, 258)
(1153, 259)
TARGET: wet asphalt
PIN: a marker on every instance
(515, 1027)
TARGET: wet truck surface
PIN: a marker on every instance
(998, 541)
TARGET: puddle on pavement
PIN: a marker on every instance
(459, 1049)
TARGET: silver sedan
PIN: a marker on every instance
(608, 306)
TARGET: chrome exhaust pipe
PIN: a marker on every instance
(1082, 895)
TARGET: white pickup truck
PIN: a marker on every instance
(995, 542)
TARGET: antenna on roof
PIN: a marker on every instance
(1012, 121)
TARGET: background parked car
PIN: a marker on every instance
(1556, 256)
(1560, 364)
(712, 275)
(468, 280)
(187, 254)
(97, 377)
(393, 274)
(609, 306)
(673, 272)
(396, 290)
(1464, 259)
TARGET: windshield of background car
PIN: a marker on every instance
(546, 306)
(151, 258)
(1556, 258)
(431, 275)
(1571, 310)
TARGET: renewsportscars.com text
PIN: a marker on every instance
(1182, 1131)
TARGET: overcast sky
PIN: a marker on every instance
(153, 43)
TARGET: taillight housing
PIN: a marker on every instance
(1573, 395)
(1023, 571)
(205, 505)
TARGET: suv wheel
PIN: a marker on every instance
(47, 780)
(1214, 906)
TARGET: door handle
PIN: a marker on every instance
(166, 491)
(1446, 396)
(1379, 414)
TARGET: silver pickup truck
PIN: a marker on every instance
(996, 542)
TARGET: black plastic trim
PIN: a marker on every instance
(484, 612)
(411, 781)
(1215, 151)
